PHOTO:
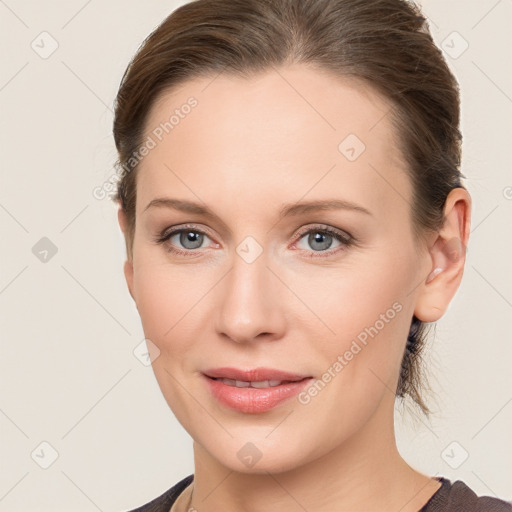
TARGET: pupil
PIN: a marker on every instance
(320, 239)
(191, 237)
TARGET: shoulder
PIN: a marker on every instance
(164, 502)
(457, 496)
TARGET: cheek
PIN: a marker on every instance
(163, 300)
(361, 360)
(355, 297)
(367, 311)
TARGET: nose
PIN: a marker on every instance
(250, 302)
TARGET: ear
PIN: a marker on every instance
(447, 257)
(128, 264)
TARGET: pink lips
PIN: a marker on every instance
(251, 399)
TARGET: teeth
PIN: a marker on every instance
(265, 384)
(244, 384)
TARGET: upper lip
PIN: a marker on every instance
(253, 375)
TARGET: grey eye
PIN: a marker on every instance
(318, 240)
(189, 239)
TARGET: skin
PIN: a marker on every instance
(250, 146)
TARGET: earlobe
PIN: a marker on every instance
(447, 258)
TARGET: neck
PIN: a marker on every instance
(364, 473)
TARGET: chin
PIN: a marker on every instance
(259, 455)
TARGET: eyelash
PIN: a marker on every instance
(346, 239)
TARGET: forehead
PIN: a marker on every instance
(279, 135)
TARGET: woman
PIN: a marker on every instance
(294, 218)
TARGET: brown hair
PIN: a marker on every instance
(385, 43)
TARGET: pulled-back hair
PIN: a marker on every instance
(385, 43)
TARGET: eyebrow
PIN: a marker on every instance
(287, 210)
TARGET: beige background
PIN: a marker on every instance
(68, 374)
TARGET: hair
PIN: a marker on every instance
(384, 43)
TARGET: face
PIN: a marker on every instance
(256, 276)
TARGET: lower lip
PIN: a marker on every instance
(254, 400)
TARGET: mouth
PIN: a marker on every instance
(253, 391)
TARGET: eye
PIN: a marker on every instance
(190, 238)
(321, 239)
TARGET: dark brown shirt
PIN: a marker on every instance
(456, 497)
